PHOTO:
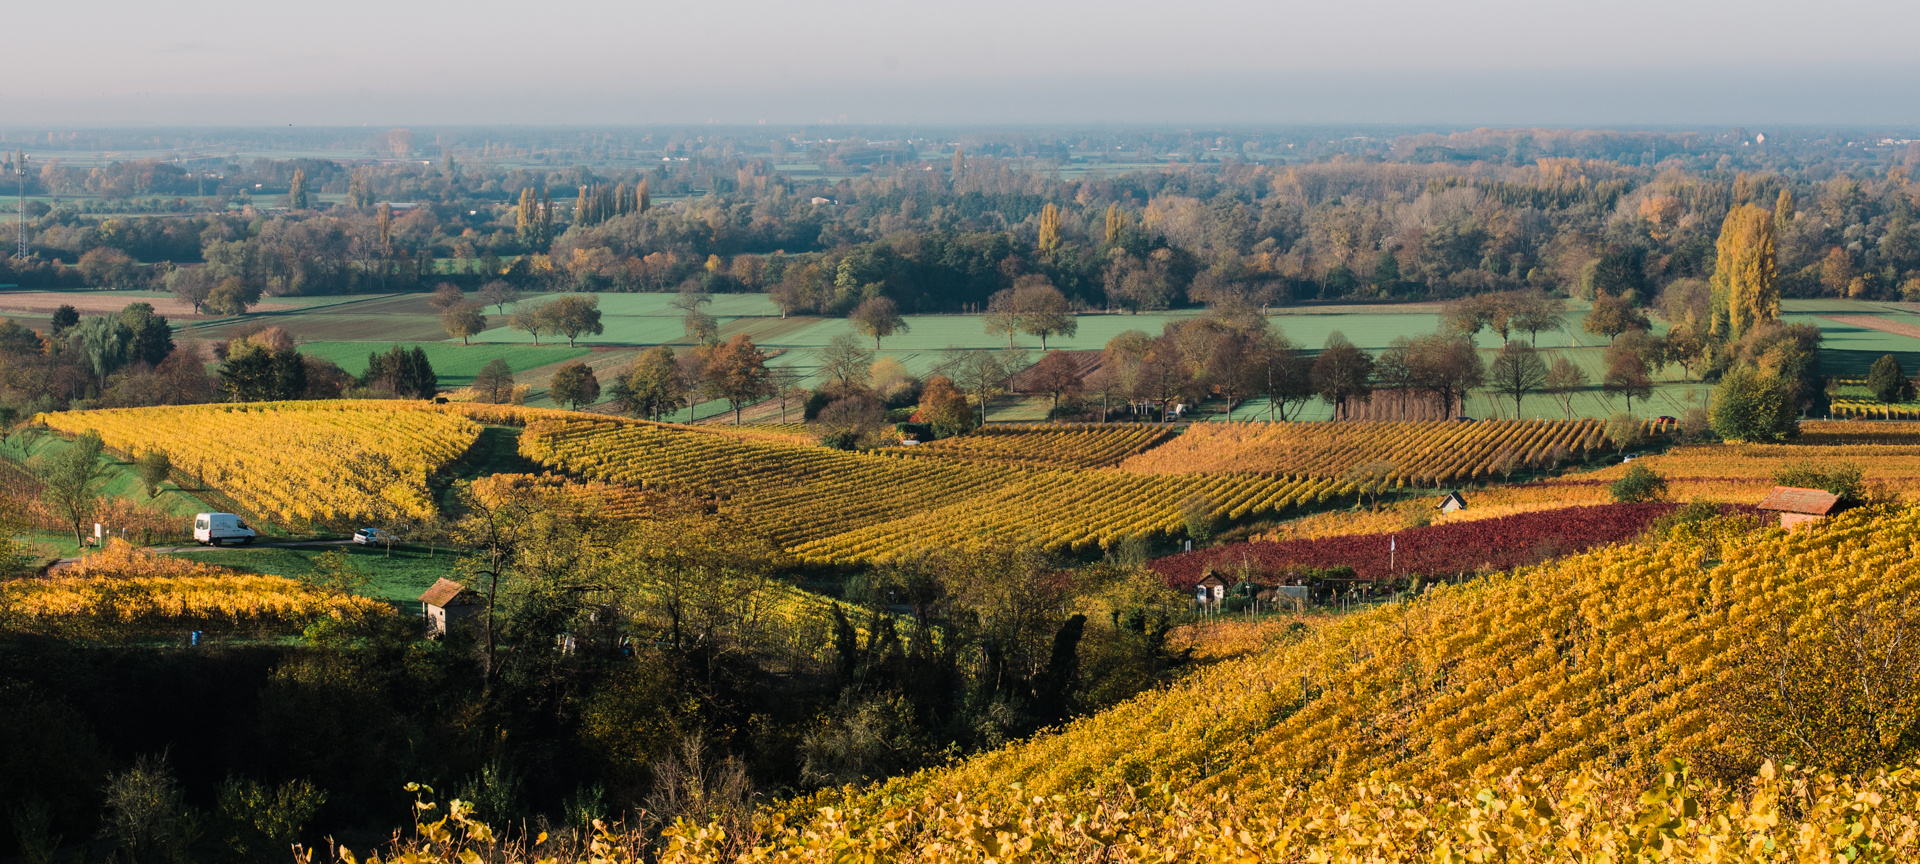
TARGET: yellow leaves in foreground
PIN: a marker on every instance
(1589, 817)
(120, 590)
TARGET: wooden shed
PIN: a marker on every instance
(1798, 506)
(447, 604)
(1211, 589)
(1453, 501)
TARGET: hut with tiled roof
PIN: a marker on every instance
(1796, 506)
(448, 604)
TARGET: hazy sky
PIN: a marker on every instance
(566, 61)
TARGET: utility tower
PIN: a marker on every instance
(20, 174)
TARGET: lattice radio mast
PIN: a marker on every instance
(20, 174)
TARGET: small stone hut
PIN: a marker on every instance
(1797, 506)
(447, 604)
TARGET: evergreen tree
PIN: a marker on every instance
(425, 384)
(152, 337)
(256, 373)
(545, 234)
(63, 318)
(1746, 291)
(403, 373)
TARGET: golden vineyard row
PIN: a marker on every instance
(1423, 453)
(834, 507)
(1073, 511)
(298, 463)
(120, 590)
(1051, 446)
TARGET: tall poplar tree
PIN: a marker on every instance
(1116, 222)
(1049, 228)
(297, 191)
(1746, 289)
(582, 209)
(640, 200)
(525, 220)
(545, 234)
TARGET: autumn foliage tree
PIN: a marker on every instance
(945, 408)
(1057, 374)
(575, 385)
(737, 372)
(1746, 289)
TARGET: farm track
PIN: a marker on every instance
(1875, 322)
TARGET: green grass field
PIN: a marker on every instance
(122, 481)
(400, 578)
(456, 364)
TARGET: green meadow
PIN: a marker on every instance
(346, 329)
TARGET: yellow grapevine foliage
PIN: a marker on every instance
(1057, 445)
(1422, 452)
(792, 492)
(1857, 432)
(299, 463)
(1071, 510)
(121, 590)
(1897, 464)
(1862, 410)
(1590, 817)
(612, 500)
(1622, 656)
(1778, 817)
(829, 506)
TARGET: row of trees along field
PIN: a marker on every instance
(1725, 329)
(129, 359)
(1279, 231)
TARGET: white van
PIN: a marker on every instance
(213, 529)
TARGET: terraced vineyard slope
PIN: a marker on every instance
(834, 507)
(1424, 453)
(1049, 446)
(301, 464)
(1619, 657)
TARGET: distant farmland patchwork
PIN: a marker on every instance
(346, 329)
